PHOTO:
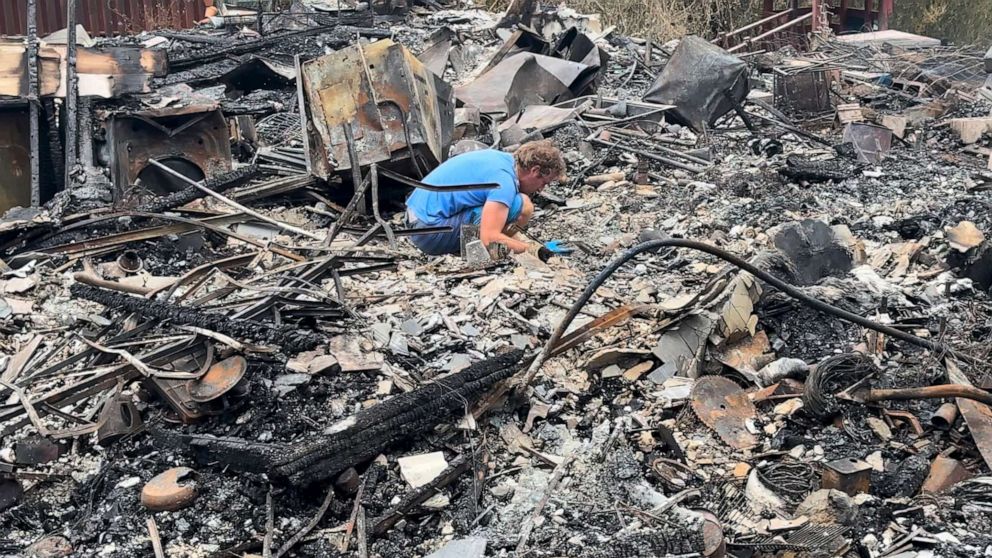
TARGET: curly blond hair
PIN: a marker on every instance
(542, 154)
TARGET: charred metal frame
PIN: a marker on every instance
(347, 93)
(804, 92)
(199, 138)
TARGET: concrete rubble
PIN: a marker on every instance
(216, 340)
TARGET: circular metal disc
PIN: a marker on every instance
(221, 377)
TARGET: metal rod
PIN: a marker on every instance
(353, 160)
(652, 156)
(71, 93)
(374, 177)
(750, 26)
(769, 33)
(348, 211)
(33, 102)
(234, 204)
(930, 392)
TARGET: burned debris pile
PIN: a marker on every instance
(766, 333)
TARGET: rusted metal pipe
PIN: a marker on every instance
(929, 392)
(748, 27)
(945, 417)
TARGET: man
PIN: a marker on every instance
(520, 175)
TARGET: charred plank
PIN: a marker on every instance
(289, 338)
(220, 183)
(369, 433)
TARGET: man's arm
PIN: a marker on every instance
(493, 222)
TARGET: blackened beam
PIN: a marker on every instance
(86, 247)
(344, 36)
(289, 339)
(220, 183)
(33, 111)
(419, 495)
(371, 431)
(71, 95)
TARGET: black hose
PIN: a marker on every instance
(787, 288)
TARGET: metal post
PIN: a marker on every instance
(33, 103)
(71, 96)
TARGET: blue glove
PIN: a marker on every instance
(559, 247)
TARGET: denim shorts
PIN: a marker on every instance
(450, 242)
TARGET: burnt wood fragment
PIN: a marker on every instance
(289, 339)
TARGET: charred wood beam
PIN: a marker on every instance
(344, 35)
(404, 416)
(71, 95)
(420, 495)
(371, 431)
(53, 171)
(34, 114)
(288, 338)
(220, 183)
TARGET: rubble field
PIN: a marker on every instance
(771, 337)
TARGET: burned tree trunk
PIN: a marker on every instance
(519, 12)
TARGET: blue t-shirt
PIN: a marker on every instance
(474, 167)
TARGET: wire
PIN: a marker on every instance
(791, 290)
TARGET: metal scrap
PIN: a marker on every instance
(396, 116)
(723, 406)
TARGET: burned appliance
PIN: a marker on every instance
(397, 113)
(192, 140)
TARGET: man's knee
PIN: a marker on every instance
(526, 210)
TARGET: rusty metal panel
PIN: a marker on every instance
(103, 17)
(392, 103)
(195, 144)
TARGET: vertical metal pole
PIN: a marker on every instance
(71, 96)
(34, 103)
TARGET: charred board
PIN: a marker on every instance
(369, 433)
(289, 339)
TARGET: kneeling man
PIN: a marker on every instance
(525, 172)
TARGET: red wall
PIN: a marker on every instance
(103, 17)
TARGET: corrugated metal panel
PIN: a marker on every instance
(103, 17)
